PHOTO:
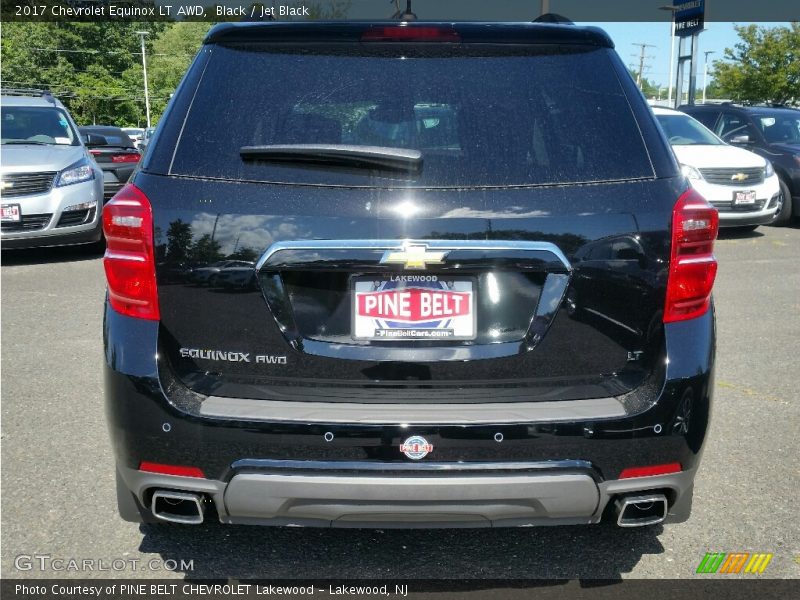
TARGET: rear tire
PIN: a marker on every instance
(784, 215)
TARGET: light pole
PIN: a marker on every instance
(672, 10)
(545, 7)
(705, 73)
(141, 35)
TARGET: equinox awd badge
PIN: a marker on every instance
(219, 355)
(416, 447)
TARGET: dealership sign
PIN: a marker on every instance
(689, 16)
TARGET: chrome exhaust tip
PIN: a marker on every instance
(638, 511)
(178, 507)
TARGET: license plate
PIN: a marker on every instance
(744, 198)
(413, 307)
(11, 213)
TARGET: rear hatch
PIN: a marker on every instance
(456, 219)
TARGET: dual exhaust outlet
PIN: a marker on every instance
(189, 509)
(178, 507)
(638, 511)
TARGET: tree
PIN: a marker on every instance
(763, 67)
(82, 64)
(179, 241)
(649, 89)
(173, 52)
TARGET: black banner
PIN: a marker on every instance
(462, 10)
(98, 589)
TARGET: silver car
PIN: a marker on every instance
(51, 190)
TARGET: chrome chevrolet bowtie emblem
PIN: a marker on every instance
(414, 256)
(739, 177)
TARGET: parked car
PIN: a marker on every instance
(742, 185)
(204, 275)
(241, 276)
(410, 359)
(114, 153)
(770, 131)
(135, 133)
(146, 137)
(51, 189)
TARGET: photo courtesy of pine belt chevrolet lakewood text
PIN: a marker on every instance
(424, 274)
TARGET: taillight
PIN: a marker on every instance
(692, 267)
(129, 260)
(410, 33)
(181, 470)
(664, 469)
(126, 158)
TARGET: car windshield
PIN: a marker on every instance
(779, 127)
(682, 130)
(480, 115)
(39, 125)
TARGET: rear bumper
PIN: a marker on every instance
(548, 494)
(535, 468)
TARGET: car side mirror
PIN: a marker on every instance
(740, 139)
(93, 139)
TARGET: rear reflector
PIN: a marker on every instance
(410, 33)
(652, 470)
(171, 469)
(692, 268)
(129, 259)
(126, 158)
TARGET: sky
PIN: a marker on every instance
(716, 38)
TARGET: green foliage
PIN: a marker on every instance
(763, 67)
(173, 52)
(95, 69)
(649, 89)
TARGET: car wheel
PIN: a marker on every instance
(784, 214)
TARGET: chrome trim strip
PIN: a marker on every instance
(399, 245)
(458, 467)
(415, 415)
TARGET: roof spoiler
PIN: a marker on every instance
(553, 18)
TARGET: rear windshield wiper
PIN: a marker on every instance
(363, 157)
(26, 142)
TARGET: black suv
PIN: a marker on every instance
(481, 287)
(771, 131)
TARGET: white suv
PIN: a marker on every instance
(742, 185)
(50, 187)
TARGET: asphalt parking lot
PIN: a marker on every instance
(58, 478)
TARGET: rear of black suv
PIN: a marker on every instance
(479, 292)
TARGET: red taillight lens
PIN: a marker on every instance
(410, 33)
(692, 268)
(649, 471)
(171, 469)
(126, 158)
(129, 260)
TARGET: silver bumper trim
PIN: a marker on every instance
(417, 414)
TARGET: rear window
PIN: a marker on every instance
(480, 115)
(113, 137)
